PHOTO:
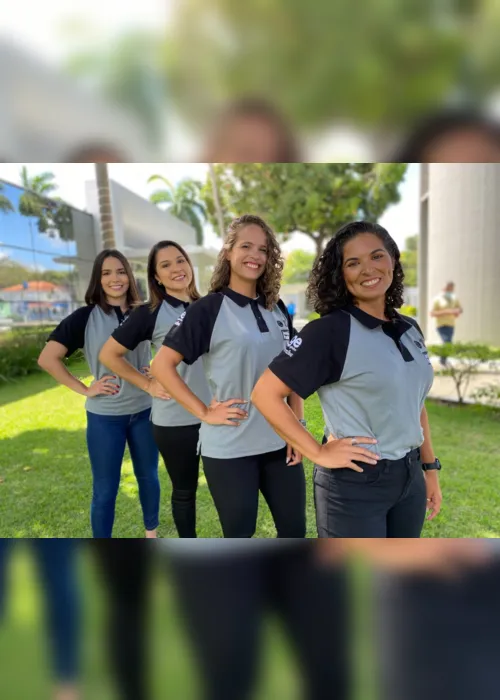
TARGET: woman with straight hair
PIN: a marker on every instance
(378, 473)
(238, 329)
(118, 413)
(172, 288)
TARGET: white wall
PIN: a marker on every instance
(464, 245)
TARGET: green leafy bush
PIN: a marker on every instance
(407, 310)
(19, 351)
(465, 361)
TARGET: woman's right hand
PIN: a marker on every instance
(340, 454)
(156, 390)
(223, 413)
(103, 386)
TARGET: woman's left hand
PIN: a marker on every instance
(293, 456)
(434, 495)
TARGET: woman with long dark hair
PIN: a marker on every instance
(238, 329)
(118, 413)
(172, 288)
(377, 474)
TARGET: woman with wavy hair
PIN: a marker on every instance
(377, 473)
(238, 329)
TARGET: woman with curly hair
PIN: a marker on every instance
(238, 328)
(378, 472)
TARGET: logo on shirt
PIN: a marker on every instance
(285, 331)
(293, 345)
(180, 319)
(423, 350)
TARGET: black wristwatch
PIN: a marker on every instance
(433, 465)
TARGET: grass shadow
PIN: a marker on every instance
(20, 388)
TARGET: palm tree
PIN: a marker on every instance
(54, 217)
(105, 208)
(183, 202)
(5, 204)
(35, 200)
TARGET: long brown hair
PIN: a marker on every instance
(269, 282)
(156, 290)
(95, 293)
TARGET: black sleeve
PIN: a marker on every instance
(71, 331)
(413, 323)
(284, 310)
(138, 327)
(316, 356)
(192, 332)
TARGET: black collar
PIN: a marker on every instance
(393, 328)
(173, 301)
(241, 299)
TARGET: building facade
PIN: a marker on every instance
(46, 261)
(460, 242)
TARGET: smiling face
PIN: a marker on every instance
(114, 280)
(248, 257)
(368, 268)
(172, 270)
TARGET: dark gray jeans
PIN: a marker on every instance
(386, 500)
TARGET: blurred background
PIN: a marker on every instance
(120, 620)
(164, 80)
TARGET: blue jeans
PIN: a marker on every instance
(57, 570)
(446, 333)
(106, 440)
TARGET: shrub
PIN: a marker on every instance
(466, 360)
(407, 310)
(19, 351)
(490, 394)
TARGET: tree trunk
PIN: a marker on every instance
(318, 242)
(217, 204)
(105, 208)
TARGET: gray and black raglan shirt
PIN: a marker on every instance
(372, 376)
(88, 328)
(153, 325)
(237, 337)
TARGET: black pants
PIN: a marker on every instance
(235, 485)
(386, 500)
(439, 636)
(125, 567)
(224, 599)
(178, 447)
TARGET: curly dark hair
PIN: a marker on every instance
(269, 282)
(327, 289)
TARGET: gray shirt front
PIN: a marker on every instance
(372, 376)
(149, 324)
(88, 328)
(237, 337)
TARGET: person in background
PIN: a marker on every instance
(292, 310)
(446, 308)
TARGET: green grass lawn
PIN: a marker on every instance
(45, 480)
